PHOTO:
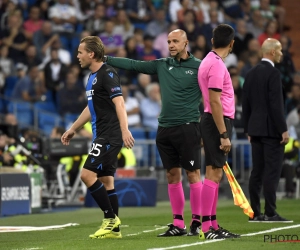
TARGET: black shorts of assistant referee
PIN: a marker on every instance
(180, 146)
(214, 156)
(103, 158)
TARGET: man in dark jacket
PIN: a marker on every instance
(264, 122)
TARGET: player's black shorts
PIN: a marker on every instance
(214, 156)
(180, 146)
(102, 158)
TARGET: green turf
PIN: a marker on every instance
(136, 220)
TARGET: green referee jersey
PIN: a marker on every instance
(180, 92)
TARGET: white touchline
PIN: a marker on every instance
(272, 230)
(32, 248)
(9, 229)
(187, 245)
(146, 231)
(213, 241)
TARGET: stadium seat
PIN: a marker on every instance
(23, 111)
(64, 43)
(2, 106)
(45, 106)
(74, 46)
(152, 136)
(31, 2)
(140, 149)
(70, 118)
(47, 121)
(138, 133)
(9, 86)
(79, 28)
(141, 26)
(49, 96)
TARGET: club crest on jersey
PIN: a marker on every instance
(111, 74)
(94, 81)
(189, 72)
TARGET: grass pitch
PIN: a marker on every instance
(140, 226)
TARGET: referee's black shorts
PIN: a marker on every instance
(180, 146)
(214, 156)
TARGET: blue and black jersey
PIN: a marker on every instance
(101, 88)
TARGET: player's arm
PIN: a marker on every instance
(217, 113)
(276, 102)
(122, 116)
(113, 88)
(217, 109)
(84, 117)
(245, 107)
(145, 67)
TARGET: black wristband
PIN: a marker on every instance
(224, 135)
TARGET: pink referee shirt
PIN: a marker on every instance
(213, 73)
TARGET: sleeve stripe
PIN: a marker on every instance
(118, 94)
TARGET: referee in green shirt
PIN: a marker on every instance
(178, 134)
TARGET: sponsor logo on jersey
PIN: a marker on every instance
(94, 81)
(192, 163)
(111, 74)
(170, 68)
(89, 94)
(115, 89)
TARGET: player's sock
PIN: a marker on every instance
(113, 197)
(177, 199)
(99, 194)
(214, 221)
(195, 196)
(207, 199)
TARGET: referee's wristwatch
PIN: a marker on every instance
(224, 135)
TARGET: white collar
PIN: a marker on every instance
(268, 60)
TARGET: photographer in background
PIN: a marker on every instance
(9, 157)
(290, 164)
(73, 164)
(8, 130)
(15, 152)
(6, 159)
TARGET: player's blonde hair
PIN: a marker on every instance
(94, 44)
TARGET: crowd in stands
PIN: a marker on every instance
(39, 40)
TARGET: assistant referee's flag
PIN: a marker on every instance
(237, 193)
